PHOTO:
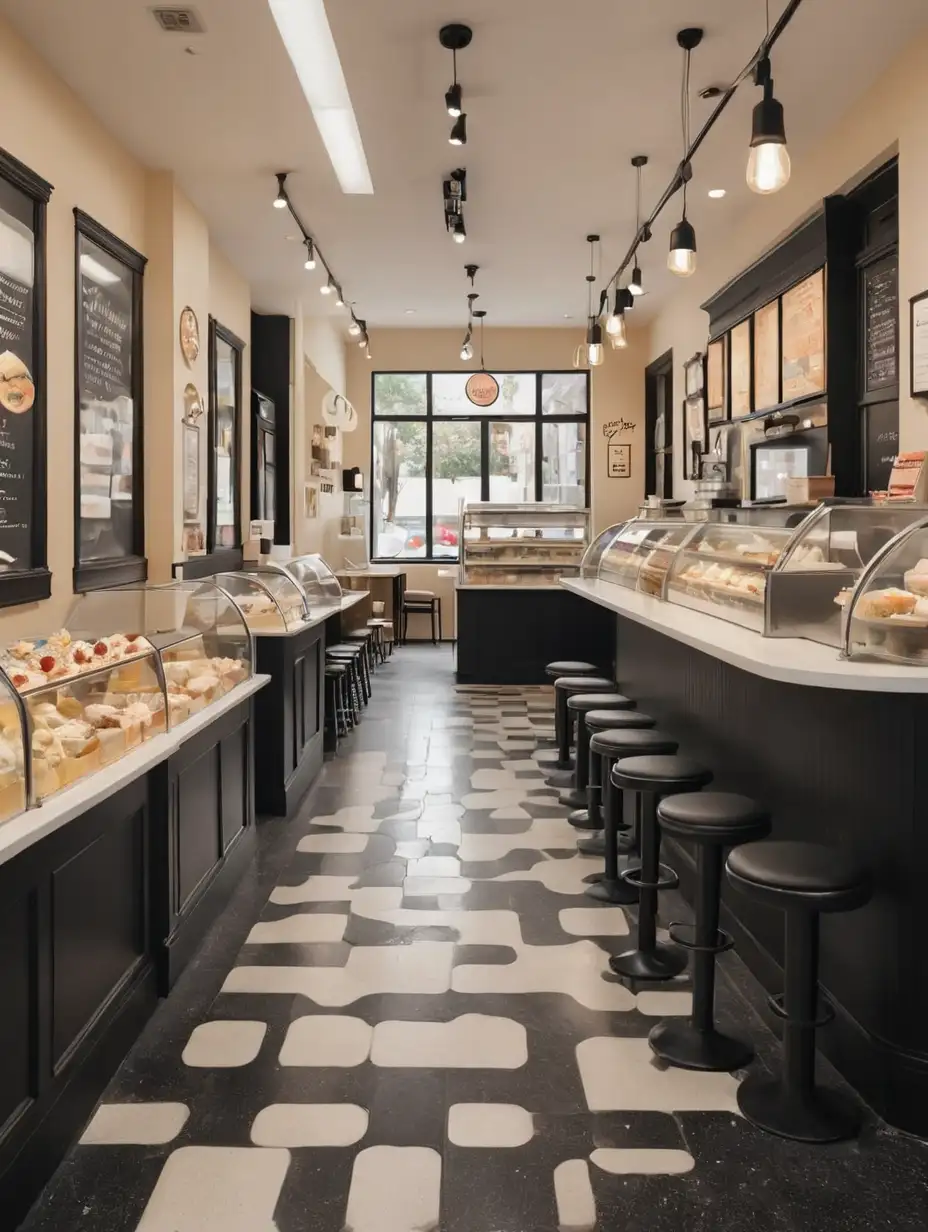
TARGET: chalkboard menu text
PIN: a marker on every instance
(881, 300)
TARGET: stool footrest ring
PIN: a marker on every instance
(826, 1014)
(667, 879)
(724, 941)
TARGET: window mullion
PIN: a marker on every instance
(484, 459)
(429, 468)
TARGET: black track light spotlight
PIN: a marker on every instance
(339, 298)
(310, 262)
(354, 329)
(681, 259)
(458, 230)
(636, 286)
(327, 287)
(458, 134)
(768, 167)
(615, 322)
(280, 201)
(454, 100)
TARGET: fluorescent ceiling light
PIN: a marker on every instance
(304, 28)
(98, 272)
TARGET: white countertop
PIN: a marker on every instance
(317, 617)
(525, 587)
(791, 660)
(58, 810)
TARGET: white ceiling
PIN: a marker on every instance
(559, 97)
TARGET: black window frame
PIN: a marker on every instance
(117, 570)
(219, 553)
(484, 416)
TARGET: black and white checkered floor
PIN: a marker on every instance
(420, 1030)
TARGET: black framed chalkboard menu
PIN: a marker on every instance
(109, 517)
(24, 576)
(881, 324)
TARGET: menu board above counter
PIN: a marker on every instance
(881, 308)
(108, 463)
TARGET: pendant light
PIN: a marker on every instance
(480, 314)
(354, 329)
(591, 352)
(280, 201)
(339, 298)
(310, 262)
(681, 259)
(768, 163)
(467, 350)
(327, 287)
(459, 131)
(455, 38)
(635, 285)
(615, 322)
(458, 232)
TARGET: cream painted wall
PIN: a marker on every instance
(230, 304)
(51, 131)
(616, 394)
(322, 346)
(888, 117)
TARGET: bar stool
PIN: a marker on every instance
(591, 817)
(376, 626)
(611, 745)
(421, 602)
(579, 705)
(335, 714)
(568, 667)
(365, 639)
(351, 654)
(653, 777)
(564, 687)
(803, 880)
(386, 634)
(711, 821)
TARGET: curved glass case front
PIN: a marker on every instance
(268, 598)
(723, 571)
(887, 614)
(13, 792)
(642, 552)
(533, 544)
(593, 556)
(319, 584)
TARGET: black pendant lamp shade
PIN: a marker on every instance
(453, 100)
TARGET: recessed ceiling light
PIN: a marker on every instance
(307, 36)
(410, 312)
(567, 316)
(717, 193)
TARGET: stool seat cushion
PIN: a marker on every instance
(660, 773)
(603, 720)
(586, 684)
(570, 667)
(418, 596)
(799, 874)
(713, 817)
(626, 743)
(599, 701)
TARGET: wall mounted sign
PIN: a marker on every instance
(803, 338)
(619, 461)
(189, 336)
(23, 500)
(482, 389)
(918, 307)
(191, 472)
(109, 516)
(193, 403)
(767, 356)
(881, 318)
(740, 343)
(717, 378)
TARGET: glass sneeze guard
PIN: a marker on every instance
(886, 617)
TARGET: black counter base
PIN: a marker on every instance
(833, 766)
(288, 719)
(508, 636)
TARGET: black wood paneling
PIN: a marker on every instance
(19, 1020)
(836, 767)
(270, 372)
(233, 769)
(508, 636)
(198, 805)
(288, 719)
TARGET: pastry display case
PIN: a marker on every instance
(723, 570)
(822, 563)
(532, 544)
(270, 600)
(321, 588)
(886, 615)
(14, 789)
(642, 552)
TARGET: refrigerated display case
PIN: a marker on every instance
(532, 544)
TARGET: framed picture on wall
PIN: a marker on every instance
(741, 369)
(695, 375)
(191, 471)
(803, 338)
(717, 378)
(767, 356)
(695, 435)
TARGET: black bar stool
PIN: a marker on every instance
(803, 880)
(564, 687)
(711, 820)
(624, 739)
(653, 777)
(568, 667)
(591, 817)
(579, 705)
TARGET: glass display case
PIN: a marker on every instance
(886, 616)
(270, 600)
(642, 552)
(530, 544)
(593, 556)
(13, 765)
(723, 570)
(822, 563)
(319, 584)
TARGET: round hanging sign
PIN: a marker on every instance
(482, 389)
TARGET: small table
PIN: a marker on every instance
(397, 577)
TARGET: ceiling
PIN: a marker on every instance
(559, 97)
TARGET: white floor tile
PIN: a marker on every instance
(621, 1075)
(395, 1189)
(594, 921)
(643, 1162)
(576, 1206)
(301, 1125)
(440, 831)
(544, 834)
(224, 1044)
(430, 887)
(558, 876)
(151, 1124)
(294, 929)
(473, 927)
(315, 889)
(411, 849)
(331, 1040)
(358, 818)
(217, 1189)
(473, 1041)
(489, 1125)
(665, 1004)
(345, 843)
(434, 866)
(574, 970)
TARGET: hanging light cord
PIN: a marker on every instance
(685, 118)
(773, 35)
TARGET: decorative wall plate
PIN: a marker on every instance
(338, 412)
(193, 403)
(189, 335)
